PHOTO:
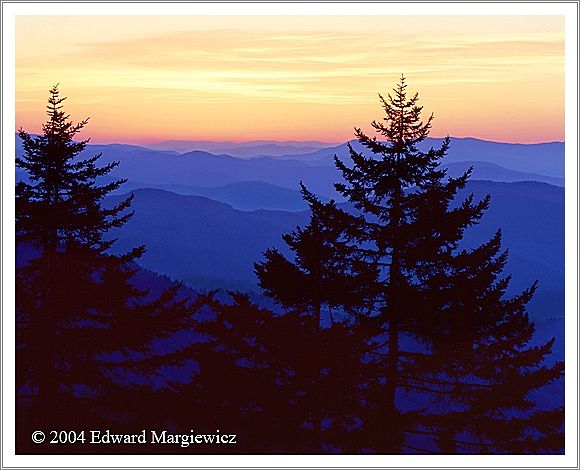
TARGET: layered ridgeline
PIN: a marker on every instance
(210, 244)
(193, 172)
(253, 201)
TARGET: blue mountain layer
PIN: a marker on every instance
(209, 244)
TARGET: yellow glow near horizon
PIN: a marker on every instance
(147, 79)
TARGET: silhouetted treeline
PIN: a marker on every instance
(391, 338)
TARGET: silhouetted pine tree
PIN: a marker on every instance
(326, 287)
(436, 296)
(451, 358)
(80, 320)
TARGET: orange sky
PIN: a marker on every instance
(152, 78)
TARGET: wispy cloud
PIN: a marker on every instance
(308, 68)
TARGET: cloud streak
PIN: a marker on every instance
(293, 69)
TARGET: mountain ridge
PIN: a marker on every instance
(192, 238)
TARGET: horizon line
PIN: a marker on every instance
(137, 142)
(329, 143)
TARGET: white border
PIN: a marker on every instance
(10, 10)
(571, 231)
(293, 8)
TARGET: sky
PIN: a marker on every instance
(144, 79)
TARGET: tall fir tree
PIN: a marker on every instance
(80, 318)
(434, 292)
(326, 286)
(444, 323)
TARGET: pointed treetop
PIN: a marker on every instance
(59, 123)
(402, 124)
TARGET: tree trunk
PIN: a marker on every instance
(46, 322)
(393, 310)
